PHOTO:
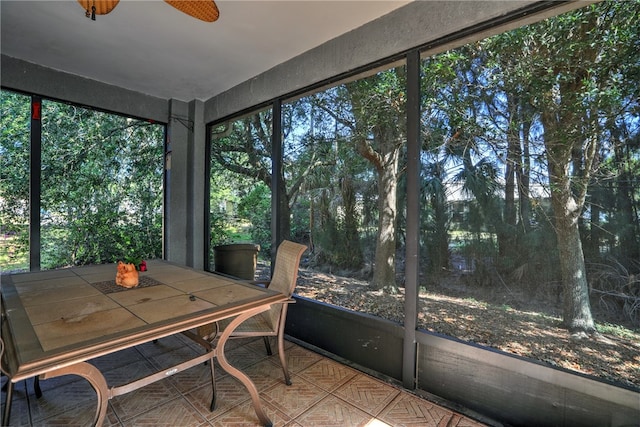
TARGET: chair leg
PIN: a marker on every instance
(267, 345)
(213, 387)
(212, 351)
(283, 360)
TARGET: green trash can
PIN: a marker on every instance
(236, 259)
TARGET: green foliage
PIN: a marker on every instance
(101, 186)
(101, 190)
(14, 251)
(14, 180)
(223, 200)
(256, 208)
(300, 221)
(618, 331)
(240, 195)
(218, 222)
(334, 249)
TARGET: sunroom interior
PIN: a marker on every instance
(148, 62)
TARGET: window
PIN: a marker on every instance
(516, 128)
(101, 185)
(344, 151)
(240, 183)
(14, 181)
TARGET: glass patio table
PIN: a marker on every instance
(54, 321)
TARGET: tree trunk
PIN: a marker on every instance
(382, 117)
(285, 211)
(440, 255)
(571, 144)
(384, 275)
(592, 247)
(523, 178)
(566, 209)
(629, 245)
(506, 231)
(351, 236)
(576, 306)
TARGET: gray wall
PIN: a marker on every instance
(32, 78)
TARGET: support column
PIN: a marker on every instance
(197, 175)
(177, 223)
(35, 183)
(276, 176)
(412, 269)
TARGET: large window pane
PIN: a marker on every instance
(344, 155)
(240, 184)
(14, 181)
(530, 196)
(101, 189)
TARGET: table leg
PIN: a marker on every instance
(242, 377)
(95, 378)
(7, 405)
(36, 387)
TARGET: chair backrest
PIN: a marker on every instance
(285, 273)
(285, 276)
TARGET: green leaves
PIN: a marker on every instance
(101, 190)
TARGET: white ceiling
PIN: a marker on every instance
(150, 47)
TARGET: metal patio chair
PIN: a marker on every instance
(269, 323)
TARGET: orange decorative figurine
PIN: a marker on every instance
(127, 275)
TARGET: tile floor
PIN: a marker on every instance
(324, 393)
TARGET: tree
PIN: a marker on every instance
(14, 179)
(378, 105)
(574, 63)
(101, 187)
(370, 113)
(459, 92)
(331, 190)
(242, 148)
(551, 101)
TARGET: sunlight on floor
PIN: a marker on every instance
(377, 423)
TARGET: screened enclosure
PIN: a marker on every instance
(491, 270)
(470, 204)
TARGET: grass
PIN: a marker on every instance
(238, 231)
(12, 256)
(619, 331)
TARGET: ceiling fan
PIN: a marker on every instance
(205, 10)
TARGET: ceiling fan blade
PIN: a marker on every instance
(205, 10)
(102, 6)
